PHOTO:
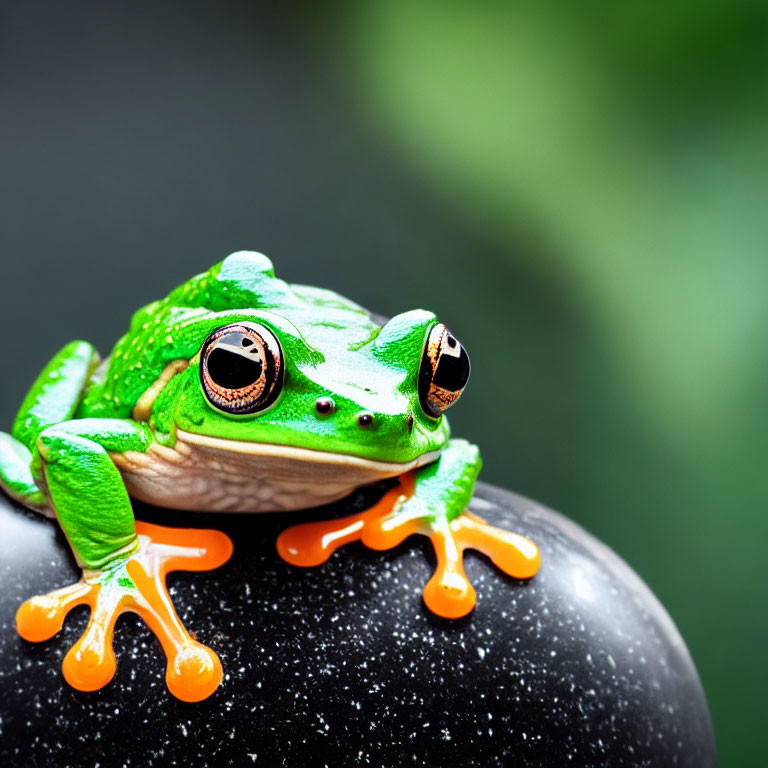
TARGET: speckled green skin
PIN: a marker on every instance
(78, 413)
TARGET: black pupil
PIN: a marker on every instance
(231, 370)
(452, 372)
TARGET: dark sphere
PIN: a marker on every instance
(343, 665)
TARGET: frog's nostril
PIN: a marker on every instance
(324, 406)
(364, 420)
(409, 421)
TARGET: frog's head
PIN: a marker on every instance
(315, 383)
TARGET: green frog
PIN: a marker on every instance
(239, 392)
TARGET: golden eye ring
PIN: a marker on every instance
(241, 368)
(443, 373)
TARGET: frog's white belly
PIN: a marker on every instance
(215, 475)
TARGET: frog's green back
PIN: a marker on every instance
(173, 328)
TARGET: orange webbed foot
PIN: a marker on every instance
(135, 583)
(448, 593)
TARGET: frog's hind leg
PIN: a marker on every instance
(56, 393)
(16, 477)
(53, 398)
(124, 563)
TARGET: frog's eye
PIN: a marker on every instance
(241, 368)
(444, 371)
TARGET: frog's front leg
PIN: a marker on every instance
(124, 564)
(431, 501)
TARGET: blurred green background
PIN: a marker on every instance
(578, 189)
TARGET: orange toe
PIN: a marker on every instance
(90, 663)
(194, 673)
(514, 554)
(311, 544)
(41, 617)
(449, 595)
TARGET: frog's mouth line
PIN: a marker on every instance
(391, 468)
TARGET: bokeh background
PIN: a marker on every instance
(578, 189)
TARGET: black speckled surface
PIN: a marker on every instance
(343, 665)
